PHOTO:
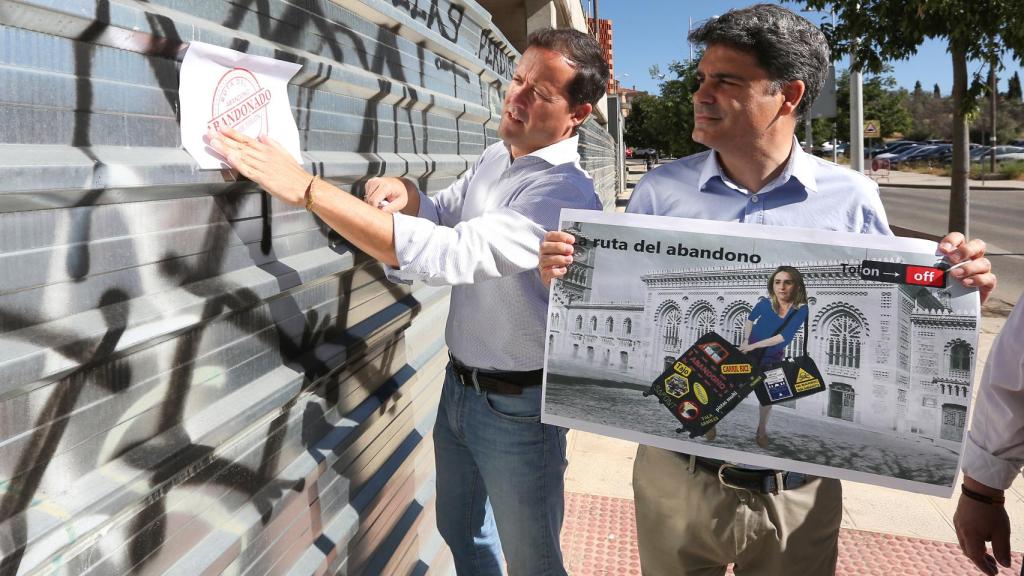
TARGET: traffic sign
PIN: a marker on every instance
(872, 129)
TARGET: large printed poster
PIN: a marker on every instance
(841, 355)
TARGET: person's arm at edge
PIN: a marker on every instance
(994, 449)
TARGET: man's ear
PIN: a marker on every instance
(580, 113)
(792, 94)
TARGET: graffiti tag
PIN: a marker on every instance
(492, 52)
(432, 16)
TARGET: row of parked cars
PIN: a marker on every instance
(640, 152)
(902, 152)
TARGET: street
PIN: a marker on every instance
(995, 216)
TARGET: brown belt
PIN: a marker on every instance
(499, 382)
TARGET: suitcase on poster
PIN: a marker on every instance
(705, 383)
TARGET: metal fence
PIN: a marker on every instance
(195, 378)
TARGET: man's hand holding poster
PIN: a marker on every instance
(834, 354)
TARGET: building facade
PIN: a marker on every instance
(896, 359)
(602, 29)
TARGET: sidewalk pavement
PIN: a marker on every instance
(884, 531)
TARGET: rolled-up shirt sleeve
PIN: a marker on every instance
(994, 450)
(500, 242)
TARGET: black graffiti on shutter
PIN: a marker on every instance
(493, 53)
(432, 17)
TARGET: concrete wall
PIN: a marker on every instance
(195, 378)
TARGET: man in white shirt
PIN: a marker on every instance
(761, 70)
(499, 470)
(994, 451)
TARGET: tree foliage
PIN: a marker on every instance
(1013, 91)
(665, 122)
(883, 101)
(878, 31)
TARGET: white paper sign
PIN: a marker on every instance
(221, 87)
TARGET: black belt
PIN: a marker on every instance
(751, 479)
(497, 381)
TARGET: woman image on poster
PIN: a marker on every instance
(785, 307)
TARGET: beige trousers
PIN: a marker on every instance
(689, 524)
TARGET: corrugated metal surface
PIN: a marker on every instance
(193, 378)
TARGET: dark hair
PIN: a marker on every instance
(786, 45)
(800, 297)
(591, 80)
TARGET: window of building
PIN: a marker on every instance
(734, 323)
(627, 325)
(702, 321)
(609, 324)
(593, 323)
(960, 357)
(844, 336)
(796, 345)
(670, 327)
(579, 322)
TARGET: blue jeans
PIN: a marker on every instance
(499, 474)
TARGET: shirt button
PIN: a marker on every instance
(753, 198)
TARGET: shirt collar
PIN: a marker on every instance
(798, 166)
(561, 152)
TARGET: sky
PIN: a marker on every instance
(646, 32)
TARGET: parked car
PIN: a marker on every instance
(1002, 153)
(936, 154)
(947, 156)
(909, 154)
(890, 147)
(824, 149)
(643, 152)
(896, 150)
(893, 148)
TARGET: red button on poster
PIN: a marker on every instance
(925, 276)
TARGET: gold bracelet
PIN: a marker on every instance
(309, 193)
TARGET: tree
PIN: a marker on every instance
(936, 92)
(882, 102)
(675, 119)
(1013, 91)
(640, 128)
(881, 30)
(665, 122)
(917, 88)
(929, 115)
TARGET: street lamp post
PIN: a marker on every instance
(856, 114)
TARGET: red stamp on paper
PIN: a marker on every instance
(240, 103)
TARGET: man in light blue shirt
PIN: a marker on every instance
(761, 70)
(499, 470)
